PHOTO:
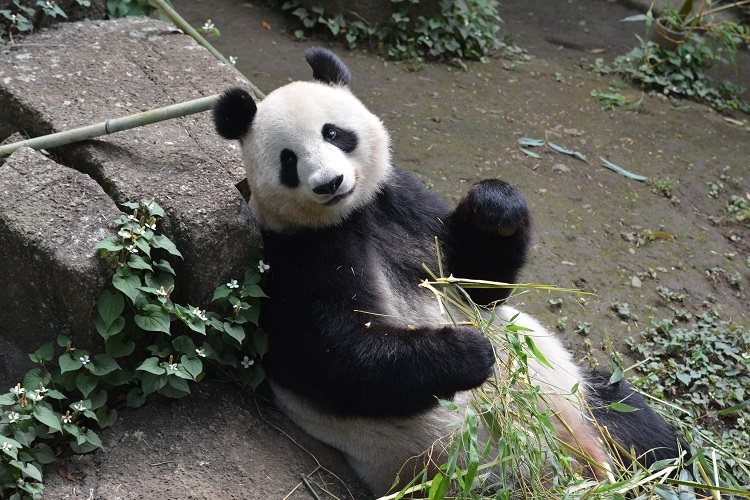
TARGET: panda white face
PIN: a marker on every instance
(313, 154)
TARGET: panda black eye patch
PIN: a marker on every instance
(288, 174)
(345, 140)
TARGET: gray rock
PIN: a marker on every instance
(77, 74)
(51, 217)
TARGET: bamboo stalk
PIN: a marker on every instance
(114, 125)
(178, 21)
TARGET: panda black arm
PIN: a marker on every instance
(489, 234)
(384, 370)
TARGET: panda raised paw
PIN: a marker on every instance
(494, 206)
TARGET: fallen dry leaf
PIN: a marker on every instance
(265, 25)
(65, 474)
(734, 121)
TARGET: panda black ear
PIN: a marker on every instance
(327, 67)
(234, 113)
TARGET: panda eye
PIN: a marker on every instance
(345, 140)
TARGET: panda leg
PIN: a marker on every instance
(643, 430)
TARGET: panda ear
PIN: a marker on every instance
(327, 67)
(234, 113)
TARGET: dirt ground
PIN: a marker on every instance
(453, 127)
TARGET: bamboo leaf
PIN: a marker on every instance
(562, 150)
(530, 153)
(621, 170)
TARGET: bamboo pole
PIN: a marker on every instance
(114, 125)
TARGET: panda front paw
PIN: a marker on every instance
(497, 207)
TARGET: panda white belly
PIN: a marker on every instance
(382, 449)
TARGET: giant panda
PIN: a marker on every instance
(359, 354)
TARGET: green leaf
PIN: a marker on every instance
(253, 291)
(44, 454)
(184, 345)
(7, 399)
(260, 342)
(68, 363)
(47, 417)
(45, 353)
(193, 366)
(102, 364)
(85, 383)
(221, 292)
(106, 417)
(62, 340)
(142, 245)
(114, 328)
(136, 398)
(163, 265)
(152, 318)
(111, 244)
(235, 331)
(138, 262)
(622, 407)
(28, 469)
(151, 365)
(536, 352)
(161, 241)
(118, 348)
(25, 438)
(151, 383)
(127, 285)
(110, 306)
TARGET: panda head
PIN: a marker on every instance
(312, 151)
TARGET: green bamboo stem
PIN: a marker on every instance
(114, 125)
(178, 21)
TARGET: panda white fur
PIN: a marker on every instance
(359, 354)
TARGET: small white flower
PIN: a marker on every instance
(151, 226)
(79, 406)
(161, 292)
(140, 230)
(148, 205)
(50, 5)
(172, 366)
(7, 446)
(42, 389)
(132, 217)
(263, 267)
(232, 60)
(124, 234)
(233, 284)
(208, 25)
(237, 307)
(132, 248)
(35, 396)
(201, 314)
(67, 418)
(13, 417)
(201, 352)
(247, 362)
(18, 390)
(84, 359)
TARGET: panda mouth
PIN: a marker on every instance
(336, 199)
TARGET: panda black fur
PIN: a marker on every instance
(359, 354)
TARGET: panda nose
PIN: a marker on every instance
(329, 187)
